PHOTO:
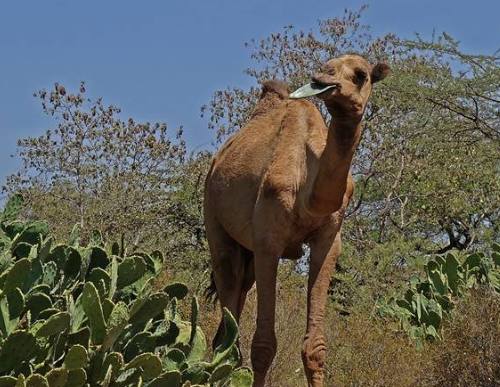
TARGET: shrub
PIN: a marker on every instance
(470, 354)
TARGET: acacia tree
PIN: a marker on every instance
(98, 171)
(427, 167)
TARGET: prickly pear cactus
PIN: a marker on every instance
(73, 315)
(428, 300)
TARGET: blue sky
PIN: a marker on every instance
(162, 60)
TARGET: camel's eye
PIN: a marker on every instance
(360, 77)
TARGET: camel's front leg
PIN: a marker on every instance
(325, 248)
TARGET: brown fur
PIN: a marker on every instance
(281, 181)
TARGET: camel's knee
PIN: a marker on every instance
(263, 352)
(313, 357)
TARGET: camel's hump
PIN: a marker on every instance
(277, 87)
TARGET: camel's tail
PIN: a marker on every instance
(211, 290)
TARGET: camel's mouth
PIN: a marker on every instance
(311, 89)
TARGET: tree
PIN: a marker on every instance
(427, 167)
(98, 171)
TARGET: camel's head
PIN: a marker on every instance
(344, 84)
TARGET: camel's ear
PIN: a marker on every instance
(379, 72)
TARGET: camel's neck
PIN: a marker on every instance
(330, 184)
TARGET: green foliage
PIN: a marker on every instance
(427, 300)
(72, 315)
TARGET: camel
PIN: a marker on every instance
(280, 182)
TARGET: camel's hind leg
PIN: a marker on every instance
(233, 272)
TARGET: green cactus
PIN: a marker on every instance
(117, 321)
(113, 362)
(96, 238)
(196, 374)
(17, 275)
(37, 380)
(73, 263)
(129, 377)
(7, 381)
(76, 378)
(57, 377)
(145, 309)
(76, 357)
(92, 306)
(167, 379)
(220, 373)
(45, 247)
(177, 290)
(98, 274)
(81, 337)
(15, 301)
(18, 347)
(114, 277)
(107, 307)
(21, 250)
(226, 349)
(173, 359)
(50, 273)
(46, 313)
(67, 343)
(55, 325)
(7, 325)
(21, 381)
(150, 364)
(97, 258)
(33, 231)
(75, 309)
(130, 270)
(242, 377)
(140, 343)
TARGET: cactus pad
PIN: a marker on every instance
(37, 380)
(57, 377)
(56, 324)
(149, 362)
(130, 270)
(76, 357)
(177, 290)
(18, 347)
(92, 306)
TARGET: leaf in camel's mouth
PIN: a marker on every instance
(310, 89)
